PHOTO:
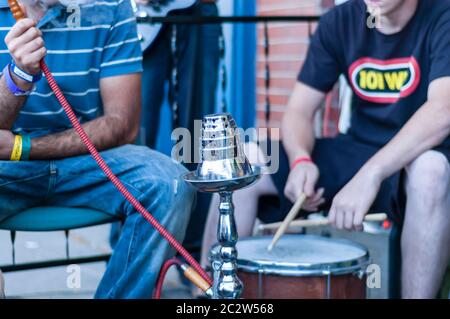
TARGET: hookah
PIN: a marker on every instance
(223, 169)
(195, 273)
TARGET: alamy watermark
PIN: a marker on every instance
(73, 280)
(373, 280)
(374, 18)
(74, 18)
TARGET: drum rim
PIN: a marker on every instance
(306, 269)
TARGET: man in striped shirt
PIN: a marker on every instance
(94, 54)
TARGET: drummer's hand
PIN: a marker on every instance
(144, 2)
(303, 179)
(353, 202)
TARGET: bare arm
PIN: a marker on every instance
(10, 106)
(298, 141)
(118, 126)
(298, 121)
(428, 128)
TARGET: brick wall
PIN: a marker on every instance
(288, 47)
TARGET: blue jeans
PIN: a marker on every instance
(78, 182)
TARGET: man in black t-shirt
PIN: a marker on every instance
(395, 156)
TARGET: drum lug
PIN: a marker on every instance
(260, 283)
(363, 271)
(360, 273)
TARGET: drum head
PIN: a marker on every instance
(298, 255)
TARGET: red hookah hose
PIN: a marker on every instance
(162, 275)
(113, 178)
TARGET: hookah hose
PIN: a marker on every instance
(201, 277)
(162, 275)
(188, 272)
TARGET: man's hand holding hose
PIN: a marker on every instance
(27, 49)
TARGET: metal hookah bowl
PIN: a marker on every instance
(221, 151)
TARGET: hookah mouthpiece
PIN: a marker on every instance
(16, 10)
(222, 155)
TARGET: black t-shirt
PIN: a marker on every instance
(389, 74)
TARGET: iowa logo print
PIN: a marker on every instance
(384, 81)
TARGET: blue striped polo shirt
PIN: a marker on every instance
(103, 44)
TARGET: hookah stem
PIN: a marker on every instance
(113, 178)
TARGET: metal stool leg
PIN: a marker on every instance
(67, 234)
(13, 243)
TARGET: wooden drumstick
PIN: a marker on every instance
(286, 222)
(320, 222)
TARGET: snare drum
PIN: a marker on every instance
(302, 267)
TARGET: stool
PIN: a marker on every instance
(44, 219)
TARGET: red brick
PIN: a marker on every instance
(274, 99)
(286, 30)
(299, 49)
(288, 47)
(281, 66)
(276, 83)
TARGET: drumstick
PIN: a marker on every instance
(320, 222)
(289, 218)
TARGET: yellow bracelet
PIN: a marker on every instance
(17, 150)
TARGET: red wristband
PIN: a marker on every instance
(301, 160)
